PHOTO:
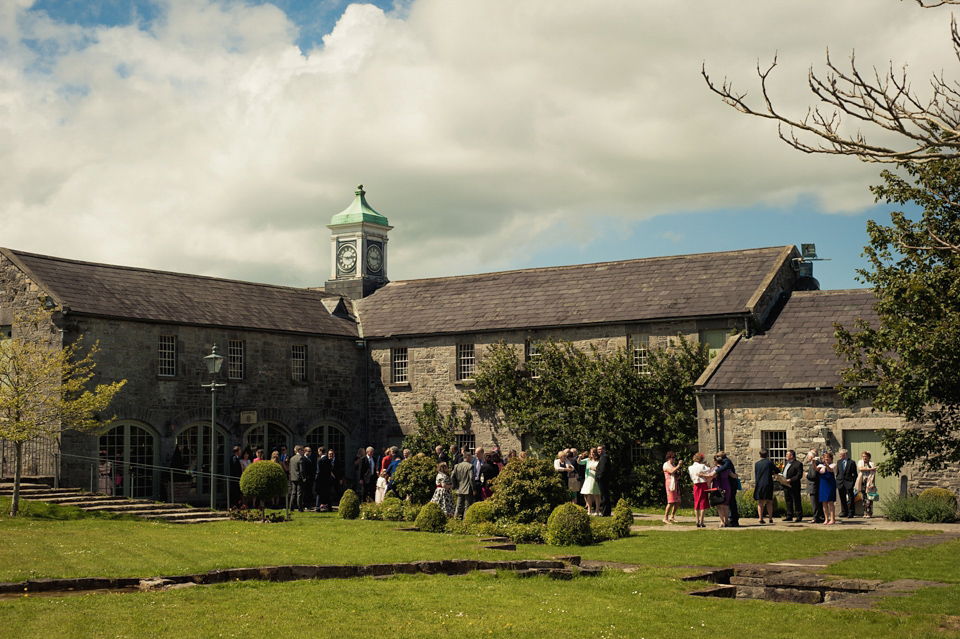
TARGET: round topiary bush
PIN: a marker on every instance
(410, 511)
(392, 509)
(527, 490)
(431, 518)
(480, 512)
(569, 525)
(939, 494)
(415, 477)
(264, 480)
(622, 519)
(349, 505)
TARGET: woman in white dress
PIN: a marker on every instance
(443, 495)
(590, 489)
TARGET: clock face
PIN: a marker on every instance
(347, 258)
(374, 258)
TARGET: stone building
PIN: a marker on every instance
(777, 389)
(348, 364)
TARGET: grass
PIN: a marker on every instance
(651, 602)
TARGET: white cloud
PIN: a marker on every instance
(477, 126)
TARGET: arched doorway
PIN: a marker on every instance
(327, 436)
(268, 436)
(128, 464)
(194, 444)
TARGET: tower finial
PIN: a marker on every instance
(359, 190)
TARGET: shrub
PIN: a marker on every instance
(411, 511)
(622, 519)
(939, 494)
(431, 518)
(931, 510)
(479, 512)
(534, 533)
(392, 509)
(349, 504)
(569, 525)
(264, 480)
(371, 511)
(527, 491)
(415, 477)
(602, 529)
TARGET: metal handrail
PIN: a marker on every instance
(95, 464)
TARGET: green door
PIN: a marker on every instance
(857, 441)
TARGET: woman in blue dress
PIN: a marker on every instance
(828, 488)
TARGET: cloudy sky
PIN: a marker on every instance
(221, 137)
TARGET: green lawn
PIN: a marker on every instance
(651, 602)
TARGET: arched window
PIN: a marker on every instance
(194, 444)
(327, 436)
(268, 436)
(128, 459)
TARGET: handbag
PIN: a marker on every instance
(716, 497)
(873, 495)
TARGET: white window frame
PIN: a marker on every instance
(235, 363)
(298, 362)
(640, 351)
(399, 365)
(167, 355)
(466, 440)
(532, 357)
(466, 361)
(775, 441)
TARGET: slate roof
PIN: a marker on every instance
(795, 350)
(105, 290)
(684, 286)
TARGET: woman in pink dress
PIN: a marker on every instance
(670, 469)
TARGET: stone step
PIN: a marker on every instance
(188, 516)
(134, 507)
(37, 494)
(93, 502)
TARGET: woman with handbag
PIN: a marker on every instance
(721, 482)
(671, 468)
(867, 482)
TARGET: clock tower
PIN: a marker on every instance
(358, 251)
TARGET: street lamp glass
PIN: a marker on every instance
(214, 361)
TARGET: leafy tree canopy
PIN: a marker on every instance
(909, 360)
(567, 397)
(436, 429)
(46, 387)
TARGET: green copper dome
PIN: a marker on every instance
(359, 211)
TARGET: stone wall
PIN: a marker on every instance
(812, 419)
(432, 369)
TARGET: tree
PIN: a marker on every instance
(573, 398)
(264, 480)
(434, 429)
(46, 387)
(927, 128)
(907, 362)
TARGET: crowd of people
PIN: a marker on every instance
(827, 481)
(316, 480)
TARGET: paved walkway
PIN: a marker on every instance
(685, 524)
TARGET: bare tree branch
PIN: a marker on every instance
(927, 128)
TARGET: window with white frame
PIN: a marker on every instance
(167, 355)
(466, 361)
(235, 359)
(775, 441)
(638, 345)
(298, 362)
(466, 440)
(398, 365)
(533, 358)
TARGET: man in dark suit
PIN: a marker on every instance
(603, 479)
(442, 456)
(369, 471)
(309, 470)
(813, 486)
(846, 480)
(793, 473)
(321, 485)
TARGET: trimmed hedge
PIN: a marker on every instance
(415, 478)
(349, 505)
(622, 519)
(939, 494)
(527, 491)
(431, 518)
(479, 512)
(264, 480)
(569, 525)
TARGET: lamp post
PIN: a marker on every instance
(214, 361)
